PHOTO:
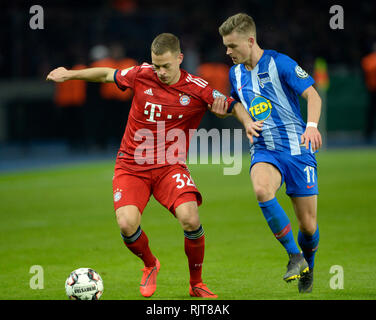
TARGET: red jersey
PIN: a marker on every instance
(162, 117)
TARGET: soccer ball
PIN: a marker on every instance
(84, 284)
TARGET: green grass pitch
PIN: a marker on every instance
(63, 219)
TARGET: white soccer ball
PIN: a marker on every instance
(84, 284)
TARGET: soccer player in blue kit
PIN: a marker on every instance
(268, 84)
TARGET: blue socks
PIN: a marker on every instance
(280, 225)
(309, 245)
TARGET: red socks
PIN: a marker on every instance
(139, 245)
(194, 245)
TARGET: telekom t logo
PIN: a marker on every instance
(152, 111)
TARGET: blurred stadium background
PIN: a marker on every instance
(43, 124)
(44, 120)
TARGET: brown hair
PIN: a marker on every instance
(241, 23)
(165, 42)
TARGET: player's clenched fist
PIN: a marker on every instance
(219, 107)
(58, 75)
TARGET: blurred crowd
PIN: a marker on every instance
(73, 28)
(118, 33)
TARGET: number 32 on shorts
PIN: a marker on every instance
(183, 180)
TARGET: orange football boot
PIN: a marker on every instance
(149, 279)
(201, 290)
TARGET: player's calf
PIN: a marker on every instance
(138, 244)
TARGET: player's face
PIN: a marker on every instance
(238, 46)
(167, 66)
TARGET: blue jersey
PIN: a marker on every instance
(270, 92)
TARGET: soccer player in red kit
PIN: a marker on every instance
(168, 102)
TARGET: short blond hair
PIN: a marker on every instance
(165, 42)
(241, 23)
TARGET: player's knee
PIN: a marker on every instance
(308, 229)
(187, 214)
(190, 223)
(263, 193)
(128, 219)
(308, 226)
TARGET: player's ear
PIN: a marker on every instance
(251, 41)
(180, 58)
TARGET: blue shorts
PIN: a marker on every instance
(299, 172)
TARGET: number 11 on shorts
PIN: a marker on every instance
(310, 171)
(181, 183)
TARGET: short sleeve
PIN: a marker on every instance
(234, 93)
(296, 78)
(125, 78)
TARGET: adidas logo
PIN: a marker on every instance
(149, 92)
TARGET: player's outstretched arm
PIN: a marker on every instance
(312, 134)
(61, 74)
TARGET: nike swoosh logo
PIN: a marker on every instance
(198, 289)
(241, 87)
(148, 277)
(309, 187)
